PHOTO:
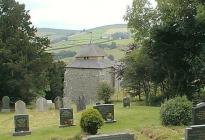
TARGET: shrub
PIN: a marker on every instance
(91, 121)
(176, 111)
(104, 92)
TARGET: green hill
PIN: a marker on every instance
(66, 43)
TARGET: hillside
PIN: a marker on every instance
(66, 43)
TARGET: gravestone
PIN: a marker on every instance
(81, 103)
(41, 104)
(21, 120)
(50, 105)
(20, 107)
(107, 112)
(115, 136)
(5, 104)
(58, 102)
(66, 102)
(126, 102)
(66, 117)
(198, 114)
(195, 132)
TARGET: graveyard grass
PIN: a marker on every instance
(143, 121)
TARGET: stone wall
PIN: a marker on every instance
(85, 82)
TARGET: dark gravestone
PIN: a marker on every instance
(107, 112)
(21, 123)
(66, 117)
(126, 102)
(198, 114)
(115, 136)
(21, 120)
(81, 103)
(58, 102)
(195, 132)
(5, 104)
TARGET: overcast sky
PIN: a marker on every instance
(76, 14)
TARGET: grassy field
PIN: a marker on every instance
(76, 39)
(143, 121)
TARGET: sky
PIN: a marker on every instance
(76, 14)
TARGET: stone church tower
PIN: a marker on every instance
(82, 77)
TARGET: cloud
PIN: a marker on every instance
(76, 14)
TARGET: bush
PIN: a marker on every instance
(104, 92)
(91, 121)
(176, 111)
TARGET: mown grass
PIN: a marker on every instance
(143, 121)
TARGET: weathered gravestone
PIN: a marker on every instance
(115, 136)
(107, 112)
(58, 102)
(126, 102)
(66, 102)
(81, 103)
(20, 107)
(195, 132)
(66, 117)
(50, 105)
(41, 104)
(198, 114)
(5, 104)
(21, 120)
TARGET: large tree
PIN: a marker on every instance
(174, 35)
(23, 60)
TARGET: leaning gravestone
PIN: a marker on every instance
(115, 136)
(58, 102)
(107, 112)
(126, 102)
(21, 120)
(41, 104)
(197, 130)
(81, 103)
(66, 117)
(66, 102)
(5, 104)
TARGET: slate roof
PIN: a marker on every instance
(89, 51)
(91, 64)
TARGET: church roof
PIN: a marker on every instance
(91, 64)
(89, 51)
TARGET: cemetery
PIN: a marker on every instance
(153, 90)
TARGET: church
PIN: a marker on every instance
(83, 75)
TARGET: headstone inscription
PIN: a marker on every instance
(126, 102)
(41, 104)
(107, 112)
(115, 136)
(198, 114)
(58, 102)
(66, 117)
(197, 130)
(5, 104)
(81, 103)
(21, 120)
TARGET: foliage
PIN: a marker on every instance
(173, 34)
(113, 45)
(64, 54)
(120, 35)
(23, 61)
(91, 121)
(176, 111)
(104, 92)
(56, 80)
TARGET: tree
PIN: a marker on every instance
(56, 80)
(23, 61)
(104, 92)
(173, 34)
